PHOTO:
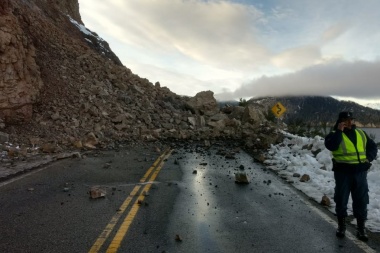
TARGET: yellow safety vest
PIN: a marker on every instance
(350, 153)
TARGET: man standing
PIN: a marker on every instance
(352, 152)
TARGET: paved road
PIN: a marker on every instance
(178, 200)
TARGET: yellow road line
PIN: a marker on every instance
(115, 244)
(159, 159)
(104, 235)
(106, 232)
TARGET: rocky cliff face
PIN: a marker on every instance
(69, 7)
(20, 80)
(62, 87)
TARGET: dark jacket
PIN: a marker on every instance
(333, 140)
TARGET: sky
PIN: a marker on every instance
(291, 157)
(243, 49)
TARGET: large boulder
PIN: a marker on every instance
(236, 112)
(253, 116)
(203, 103)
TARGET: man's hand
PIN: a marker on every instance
(341, 126)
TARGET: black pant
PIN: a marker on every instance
(356, 184)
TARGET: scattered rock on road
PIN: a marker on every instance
(97, 192)
(241, 178)
(178, 238)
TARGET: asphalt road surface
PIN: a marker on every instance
(164, 199)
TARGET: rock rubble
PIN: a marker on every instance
(62, 88)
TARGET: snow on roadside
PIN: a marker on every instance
(297, 156)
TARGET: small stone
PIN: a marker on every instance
(76, 155)
(305, 178)
(48, 147)
(178, 238)
(229, 156)
(325, 201)
(97, 192)
(77, 144)
(241, 178)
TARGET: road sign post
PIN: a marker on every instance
(278, 109)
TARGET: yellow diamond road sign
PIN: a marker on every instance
(278, 109)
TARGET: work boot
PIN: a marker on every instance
(340, 232)
(361, 232)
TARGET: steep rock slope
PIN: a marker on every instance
(62, 85)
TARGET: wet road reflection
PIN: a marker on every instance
(214, 214)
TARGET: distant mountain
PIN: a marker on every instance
(229, 102)
(374, 105)
(316, 110)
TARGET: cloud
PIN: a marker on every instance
(356, 79)
(186, 84)
(254, 48)
(219, 33)
(334, 31)
(297, 58)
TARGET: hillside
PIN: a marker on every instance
(316, 110)
(62, 88)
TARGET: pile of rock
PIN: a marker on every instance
(58, 91)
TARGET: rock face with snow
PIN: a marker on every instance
(62, 87)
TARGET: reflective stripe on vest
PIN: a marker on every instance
(347, 153)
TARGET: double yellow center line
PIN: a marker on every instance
(120, 234)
